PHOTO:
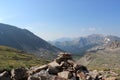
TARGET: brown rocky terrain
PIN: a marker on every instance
(62, 68)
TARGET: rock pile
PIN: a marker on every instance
(62, 68)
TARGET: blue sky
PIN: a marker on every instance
(52, 19)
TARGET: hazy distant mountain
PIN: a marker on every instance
(82, 44)
(23, 39)
(63, 39)
(107, 58)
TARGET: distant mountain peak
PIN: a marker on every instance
(82, 44)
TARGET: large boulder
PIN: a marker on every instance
(5, 76)
(19, 74)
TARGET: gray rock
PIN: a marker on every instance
(65, 74)
(53, 64)
(19, 74)
(5, 76)
(53, 70)
(33, 78)
(58, 78)
(34, 70)
(42, 75)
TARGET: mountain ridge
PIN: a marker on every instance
(25, 40)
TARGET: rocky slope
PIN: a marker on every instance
(103, 59)
(82, 44)
(62, 68)
(25, 40)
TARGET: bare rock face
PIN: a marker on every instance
(5, 76)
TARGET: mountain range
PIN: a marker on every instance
(82, 44)
(22, 39)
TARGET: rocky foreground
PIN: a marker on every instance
(62, 68)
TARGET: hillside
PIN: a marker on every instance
(82, 44)
(12, 58)
(25, 40)
(108, 58)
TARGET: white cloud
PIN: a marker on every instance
(92, 29)
(89, 29)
